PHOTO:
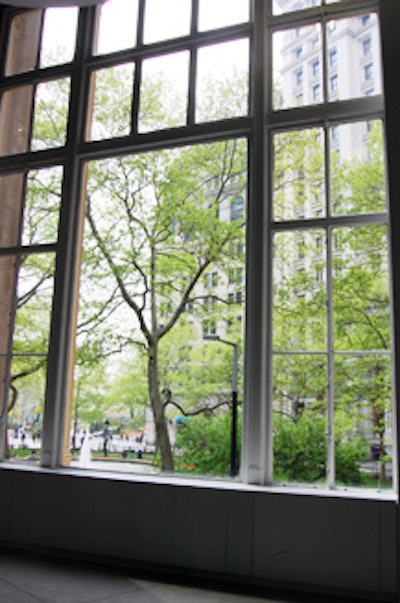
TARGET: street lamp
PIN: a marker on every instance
(234, 452)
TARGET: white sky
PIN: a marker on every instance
(164, 19)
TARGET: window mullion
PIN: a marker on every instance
(56, 420)
(256, 465)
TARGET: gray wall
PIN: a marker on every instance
(323, 542)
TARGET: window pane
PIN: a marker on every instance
(15, 116)
(297, 67)
(158, 224)
(165, 20)
(8, 270)
(51, 114)
(112, 102)
(23, 42)
(30, 346)
(8, 275)
(34, 301)
(363, 420)
(164, 92)
(58, 37)
(287, 6)
(11, 195)
(222, 81)
(357, 168)
(25, 419)
(117, 26)
(223, 13)
(361, 310)
(299, 293)
(42, 205)
(298, 175)
(354, 72)
(299, 418)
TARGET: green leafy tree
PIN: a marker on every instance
(360, 306)
(204, 444)
(153, 226)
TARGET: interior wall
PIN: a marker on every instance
(322, 542)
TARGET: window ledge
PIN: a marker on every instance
(209, 483)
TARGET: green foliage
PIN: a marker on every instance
(51, 114)
(197, 375)
(203, 444)
(349, 454)
(300, 451)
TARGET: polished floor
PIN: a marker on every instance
(37, 579)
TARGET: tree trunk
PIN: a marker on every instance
(163, 441)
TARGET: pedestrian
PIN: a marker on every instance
(106, 437)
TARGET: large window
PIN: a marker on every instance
(194, 262)
(331, 379)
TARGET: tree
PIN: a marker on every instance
(153, 229)
(359, 304)
(34, 275)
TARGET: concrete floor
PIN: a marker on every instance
(37, 579)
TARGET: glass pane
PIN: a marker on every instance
(165, 20)
(117, 26)
(8, 273)
(299, 418)
(42, 206)
(29, 363)
(363, 420)
(51, 114)
(34, 301)
(287, 6)
(357, 167)
(8, 270)
(158, 244)
(15, 117)
(299, 293)
(112, 102)
(58, 37)
(25, 419)
(11, 196)
(361, 310)
(353, 58)
(222, 86)
(299, 175)
(164, 92)
(297, 67)
(23, 42)
(223, 13)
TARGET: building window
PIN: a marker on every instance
(368, 72)
(366, 46)
(315, 68)
(316, 230)
(237, 206)
(332, 58)
(365, 20)
(333, 83)
(298, 52)
(299, 77)
(335, 132)
(316, 91)
(299, 99)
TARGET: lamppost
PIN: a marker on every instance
(234, 452)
